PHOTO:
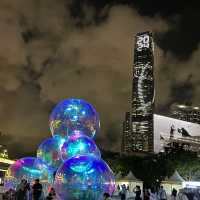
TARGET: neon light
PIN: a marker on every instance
(3, 170)
(7, 161)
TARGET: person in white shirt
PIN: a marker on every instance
(162, 193)
(153, 195)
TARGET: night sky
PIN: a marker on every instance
(56, 49)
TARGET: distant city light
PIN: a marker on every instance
(182, 106)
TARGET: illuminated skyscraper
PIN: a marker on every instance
(145, 132)
(142, 95)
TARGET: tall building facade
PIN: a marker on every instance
(142, 95)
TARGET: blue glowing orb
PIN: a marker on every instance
(74, 114)
(84, 177)
(49, 151)
(28, 168)
(79, 144)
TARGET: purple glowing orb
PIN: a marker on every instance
(84, 177)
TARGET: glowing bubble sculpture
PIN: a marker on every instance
(28, 168)
(49, 151)
(84, 177)
(79, 144)
(74, 114)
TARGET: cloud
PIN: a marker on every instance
(45, 57)
(96, 63)
(177, 81)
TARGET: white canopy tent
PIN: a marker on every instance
(175, 181)
(129, 180)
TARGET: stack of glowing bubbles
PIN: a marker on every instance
(74, 114)
(83, 175)
(28, 168)
(71, 156)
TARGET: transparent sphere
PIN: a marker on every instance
(79, 144)
(49, 151)
(28, 168)
(74, 114)
(84, 177)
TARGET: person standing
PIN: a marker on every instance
(174, 194)
(197, 195)
(26, 190)
(138, 193)
(172, 129)
(153, 195)
(37, 190)
(182, 196)
(106, 196)
(123, 192)
(21, 190)
(162, 193)
(9, 195)
(146, 194)
(51, 195)
(6, 195)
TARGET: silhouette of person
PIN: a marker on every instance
(172, 129)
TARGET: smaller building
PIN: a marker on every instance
(5, 162)
(186, 113)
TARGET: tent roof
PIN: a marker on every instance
(130, 176)
(118, 176)
(175, 178)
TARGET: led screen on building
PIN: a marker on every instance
(142, 95)
(169, 130)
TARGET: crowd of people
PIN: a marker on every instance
(25, 191)
(159, 194)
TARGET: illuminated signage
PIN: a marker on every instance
(143, 41)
